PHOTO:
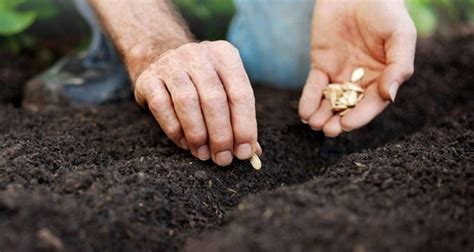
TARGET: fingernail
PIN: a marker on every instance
(259, 149)
(203, 153)
(304, 121)
(244, 151)
(223, 158)
(393, 91)
(183, 144)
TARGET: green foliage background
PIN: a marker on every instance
(430, 16)
(17, 15)
(209, 19)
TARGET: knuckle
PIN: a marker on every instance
(244, 97)
(173, 131)
(196, 138)
(167, 57)
(187, 99)
(214, 98)
(169, 60)
(222, 140)
(142, 80)
(138, 85)
(225, 46)
(190, 47)
(156, 102)
(247, 134)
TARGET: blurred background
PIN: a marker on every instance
(46, 29)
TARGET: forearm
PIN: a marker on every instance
(141, 30)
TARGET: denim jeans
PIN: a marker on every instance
(273, 37)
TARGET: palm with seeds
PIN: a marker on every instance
(376, 35)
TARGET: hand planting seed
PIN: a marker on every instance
(255, 161)
(343, 97)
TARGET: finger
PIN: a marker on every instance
(152, 92)
(312, 94)
(321, 116)
(368, 108)
(188, 110)
(241, 98)
(400, 53)
(139, 97)
(216, 113)
(333, 128)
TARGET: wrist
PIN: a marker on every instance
(141, 55)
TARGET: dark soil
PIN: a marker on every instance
(413, 195)
(107, 178)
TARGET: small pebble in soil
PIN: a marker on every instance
(200, 175)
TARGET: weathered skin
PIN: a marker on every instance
(198, 92)
(201, 96)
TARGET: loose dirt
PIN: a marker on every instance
(107, 178)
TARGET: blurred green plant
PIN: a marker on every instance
(432, 16)
(208, 19)
(18, 15)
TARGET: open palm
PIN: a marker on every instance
(376, 35)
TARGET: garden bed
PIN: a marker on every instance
(107, 178)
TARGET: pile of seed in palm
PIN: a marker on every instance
(344, 97)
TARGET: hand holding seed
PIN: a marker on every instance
(378, 36)
(345, 96)
(202, 98)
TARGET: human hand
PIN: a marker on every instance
(202, 98)
(376, 35)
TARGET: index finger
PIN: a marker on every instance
(312, 94)
(240, 97)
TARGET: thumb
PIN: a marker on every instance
(400, 54)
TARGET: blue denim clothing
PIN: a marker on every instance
(273, 37)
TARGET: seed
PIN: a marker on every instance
(352, 98)
(339, 108)
(337, 88)
(327, 93)
(343, 101)
(353, 87)
(255, 161)
(333, 88)
(357, 75)
(333, 99)
(347, 95)
(344, 112)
